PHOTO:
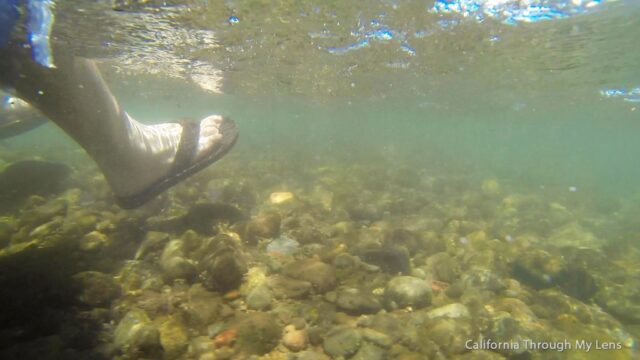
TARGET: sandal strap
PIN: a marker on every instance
(187, 147)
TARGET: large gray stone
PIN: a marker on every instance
(403, 291)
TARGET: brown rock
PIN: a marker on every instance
(322, 276)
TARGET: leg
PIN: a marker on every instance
(17, 117)
(137, 160)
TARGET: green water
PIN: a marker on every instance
(525, 107)
(590, 145)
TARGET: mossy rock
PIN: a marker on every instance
(258, 333)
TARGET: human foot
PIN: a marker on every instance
(167, 154)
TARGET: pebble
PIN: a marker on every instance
(443, 267)
(199, 346)
(299, 323)
(203, 307)
(392, 260)
(259, 298)
(345, 261)
(224, 267)
(174, 335)
(285, 287)
(377, 338)
(311, 355)
(153, 241)
(295, 340)
(93, 240)
(136, 335)
(316, 335)
(369, 351)
(283, 245)
(258, 333)
(322, 276)
(342, 341)
(451, 335)
(364, 321)
(482, 279)
(538, 268)
(453, 311)
(405, 291)
(96, 289)
(280, 197)
(357, 302)
(173, 262)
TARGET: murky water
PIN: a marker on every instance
(503, 132)
(511, 93)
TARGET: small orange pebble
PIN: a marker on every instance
(231, 295)
(225, 338)
(437, 286)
